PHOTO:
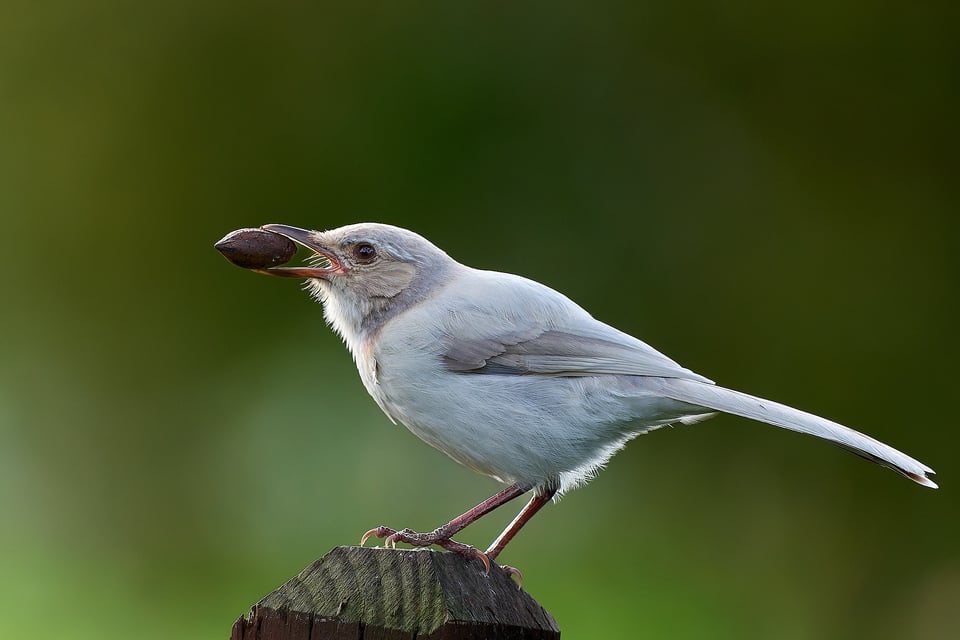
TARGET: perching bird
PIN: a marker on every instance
(509, 377)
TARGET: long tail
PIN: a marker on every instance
(780, 415)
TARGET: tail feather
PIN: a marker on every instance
(780, 415)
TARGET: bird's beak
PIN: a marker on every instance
(326, 261)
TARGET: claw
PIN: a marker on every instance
(486, 561)
(377, 532)
(514, 572)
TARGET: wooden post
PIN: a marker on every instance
(396, 594)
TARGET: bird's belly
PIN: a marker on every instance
(528, 429)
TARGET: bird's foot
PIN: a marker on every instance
(437, 537)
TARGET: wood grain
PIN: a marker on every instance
(396, 594)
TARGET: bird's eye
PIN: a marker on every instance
(364, 252)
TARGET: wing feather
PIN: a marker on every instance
(571, 344)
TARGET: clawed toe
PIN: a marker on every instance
(377, 532)
(466, 551)
(513, 572)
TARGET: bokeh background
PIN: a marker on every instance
(767, 193)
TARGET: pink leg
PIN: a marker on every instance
(535, 504)
(442, 535)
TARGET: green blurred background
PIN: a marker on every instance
(766, 193)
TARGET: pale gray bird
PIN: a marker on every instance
(509, 377)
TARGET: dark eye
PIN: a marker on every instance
(364, 252)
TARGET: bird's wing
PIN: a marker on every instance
(557, 352)
(553, 337)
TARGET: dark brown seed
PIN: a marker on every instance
(256, 248)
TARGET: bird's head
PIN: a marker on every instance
(364, 273)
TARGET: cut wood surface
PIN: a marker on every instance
(372, 593)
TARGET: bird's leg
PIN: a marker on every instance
(536, 503)
(441, 536)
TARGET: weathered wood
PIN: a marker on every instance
(396, 594)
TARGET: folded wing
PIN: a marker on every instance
(560, 353)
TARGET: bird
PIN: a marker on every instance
(509, 377)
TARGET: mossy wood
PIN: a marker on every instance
(396, 594)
